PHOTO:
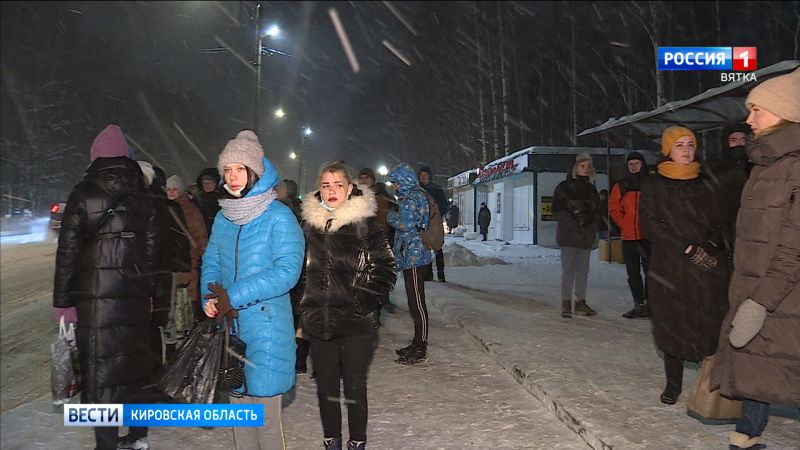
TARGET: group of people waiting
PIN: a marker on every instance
(245, 247)
(719, 246)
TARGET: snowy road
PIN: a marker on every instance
(26, 321)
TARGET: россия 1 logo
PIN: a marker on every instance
(742, 60)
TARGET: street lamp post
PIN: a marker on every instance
(303, 169)
(257, 74)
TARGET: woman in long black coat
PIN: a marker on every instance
(689, 270)
(348, 270)
(484, 219)
(107, 254)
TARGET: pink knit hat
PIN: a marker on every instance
(109, 143)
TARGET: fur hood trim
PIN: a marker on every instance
(360, 205)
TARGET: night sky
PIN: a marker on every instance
(155, 68)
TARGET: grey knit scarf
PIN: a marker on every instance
(243, 210)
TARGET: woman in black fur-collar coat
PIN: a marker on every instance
(349, 268)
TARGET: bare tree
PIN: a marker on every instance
(648, 18)
(502, 46)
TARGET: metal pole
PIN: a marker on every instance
(257, 73)
(608, 215)
(303, 166)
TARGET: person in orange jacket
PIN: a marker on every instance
(623, 206)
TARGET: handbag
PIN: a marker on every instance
(231, 368)
(65, 373)
(710, 404)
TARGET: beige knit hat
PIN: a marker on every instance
(148, 172)
(583, 156)
(779, 95)
(244, 149)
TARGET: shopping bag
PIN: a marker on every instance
(65, 373)
(184, 314)
(191, 375)
(710, 404)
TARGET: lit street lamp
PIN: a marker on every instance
(383, 170)
(293, 155)
(279, 113)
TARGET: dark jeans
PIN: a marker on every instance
(415, 290)
(106, 437)
(754, 418)
(439, 265)
(348, 358)
(637, 259)
(302, 354)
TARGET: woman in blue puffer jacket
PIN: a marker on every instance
(253, 259)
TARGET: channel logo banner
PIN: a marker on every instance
(695, 58)
(169, 415)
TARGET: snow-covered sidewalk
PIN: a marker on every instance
(459, 399)
(602, 375)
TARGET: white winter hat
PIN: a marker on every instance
(244, 149)
(175, 182)
(148, 171)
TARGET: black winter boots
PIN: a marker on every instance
(640, 310)
(412, 354)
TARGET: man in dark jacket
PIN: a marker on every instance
(624, 209)
(107, 252)
(208, 199)
(727, 176)
(425, 180)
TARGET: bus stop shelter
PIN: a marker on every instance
(707, 111)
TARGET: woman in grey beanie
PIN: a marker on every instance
(253, 259)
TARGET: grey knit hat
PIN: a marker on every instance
(176, 182)
(244, 149)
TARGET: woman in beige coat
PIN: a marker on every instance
(758, 359)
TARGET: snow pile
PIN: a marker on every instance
(507, 251)
(456, 255)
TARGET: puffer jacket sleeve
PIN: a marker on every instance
(382, 276)
(615, 207)
(152, 253)
(412, 214)
(783, 272)
(68, 254)
(196, 226)
(211, 265)
(283, 275)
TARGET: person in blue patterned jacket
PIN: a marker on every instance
(254, 257)
(411, 256)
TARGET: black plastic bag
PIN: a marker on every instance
(191, 376)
